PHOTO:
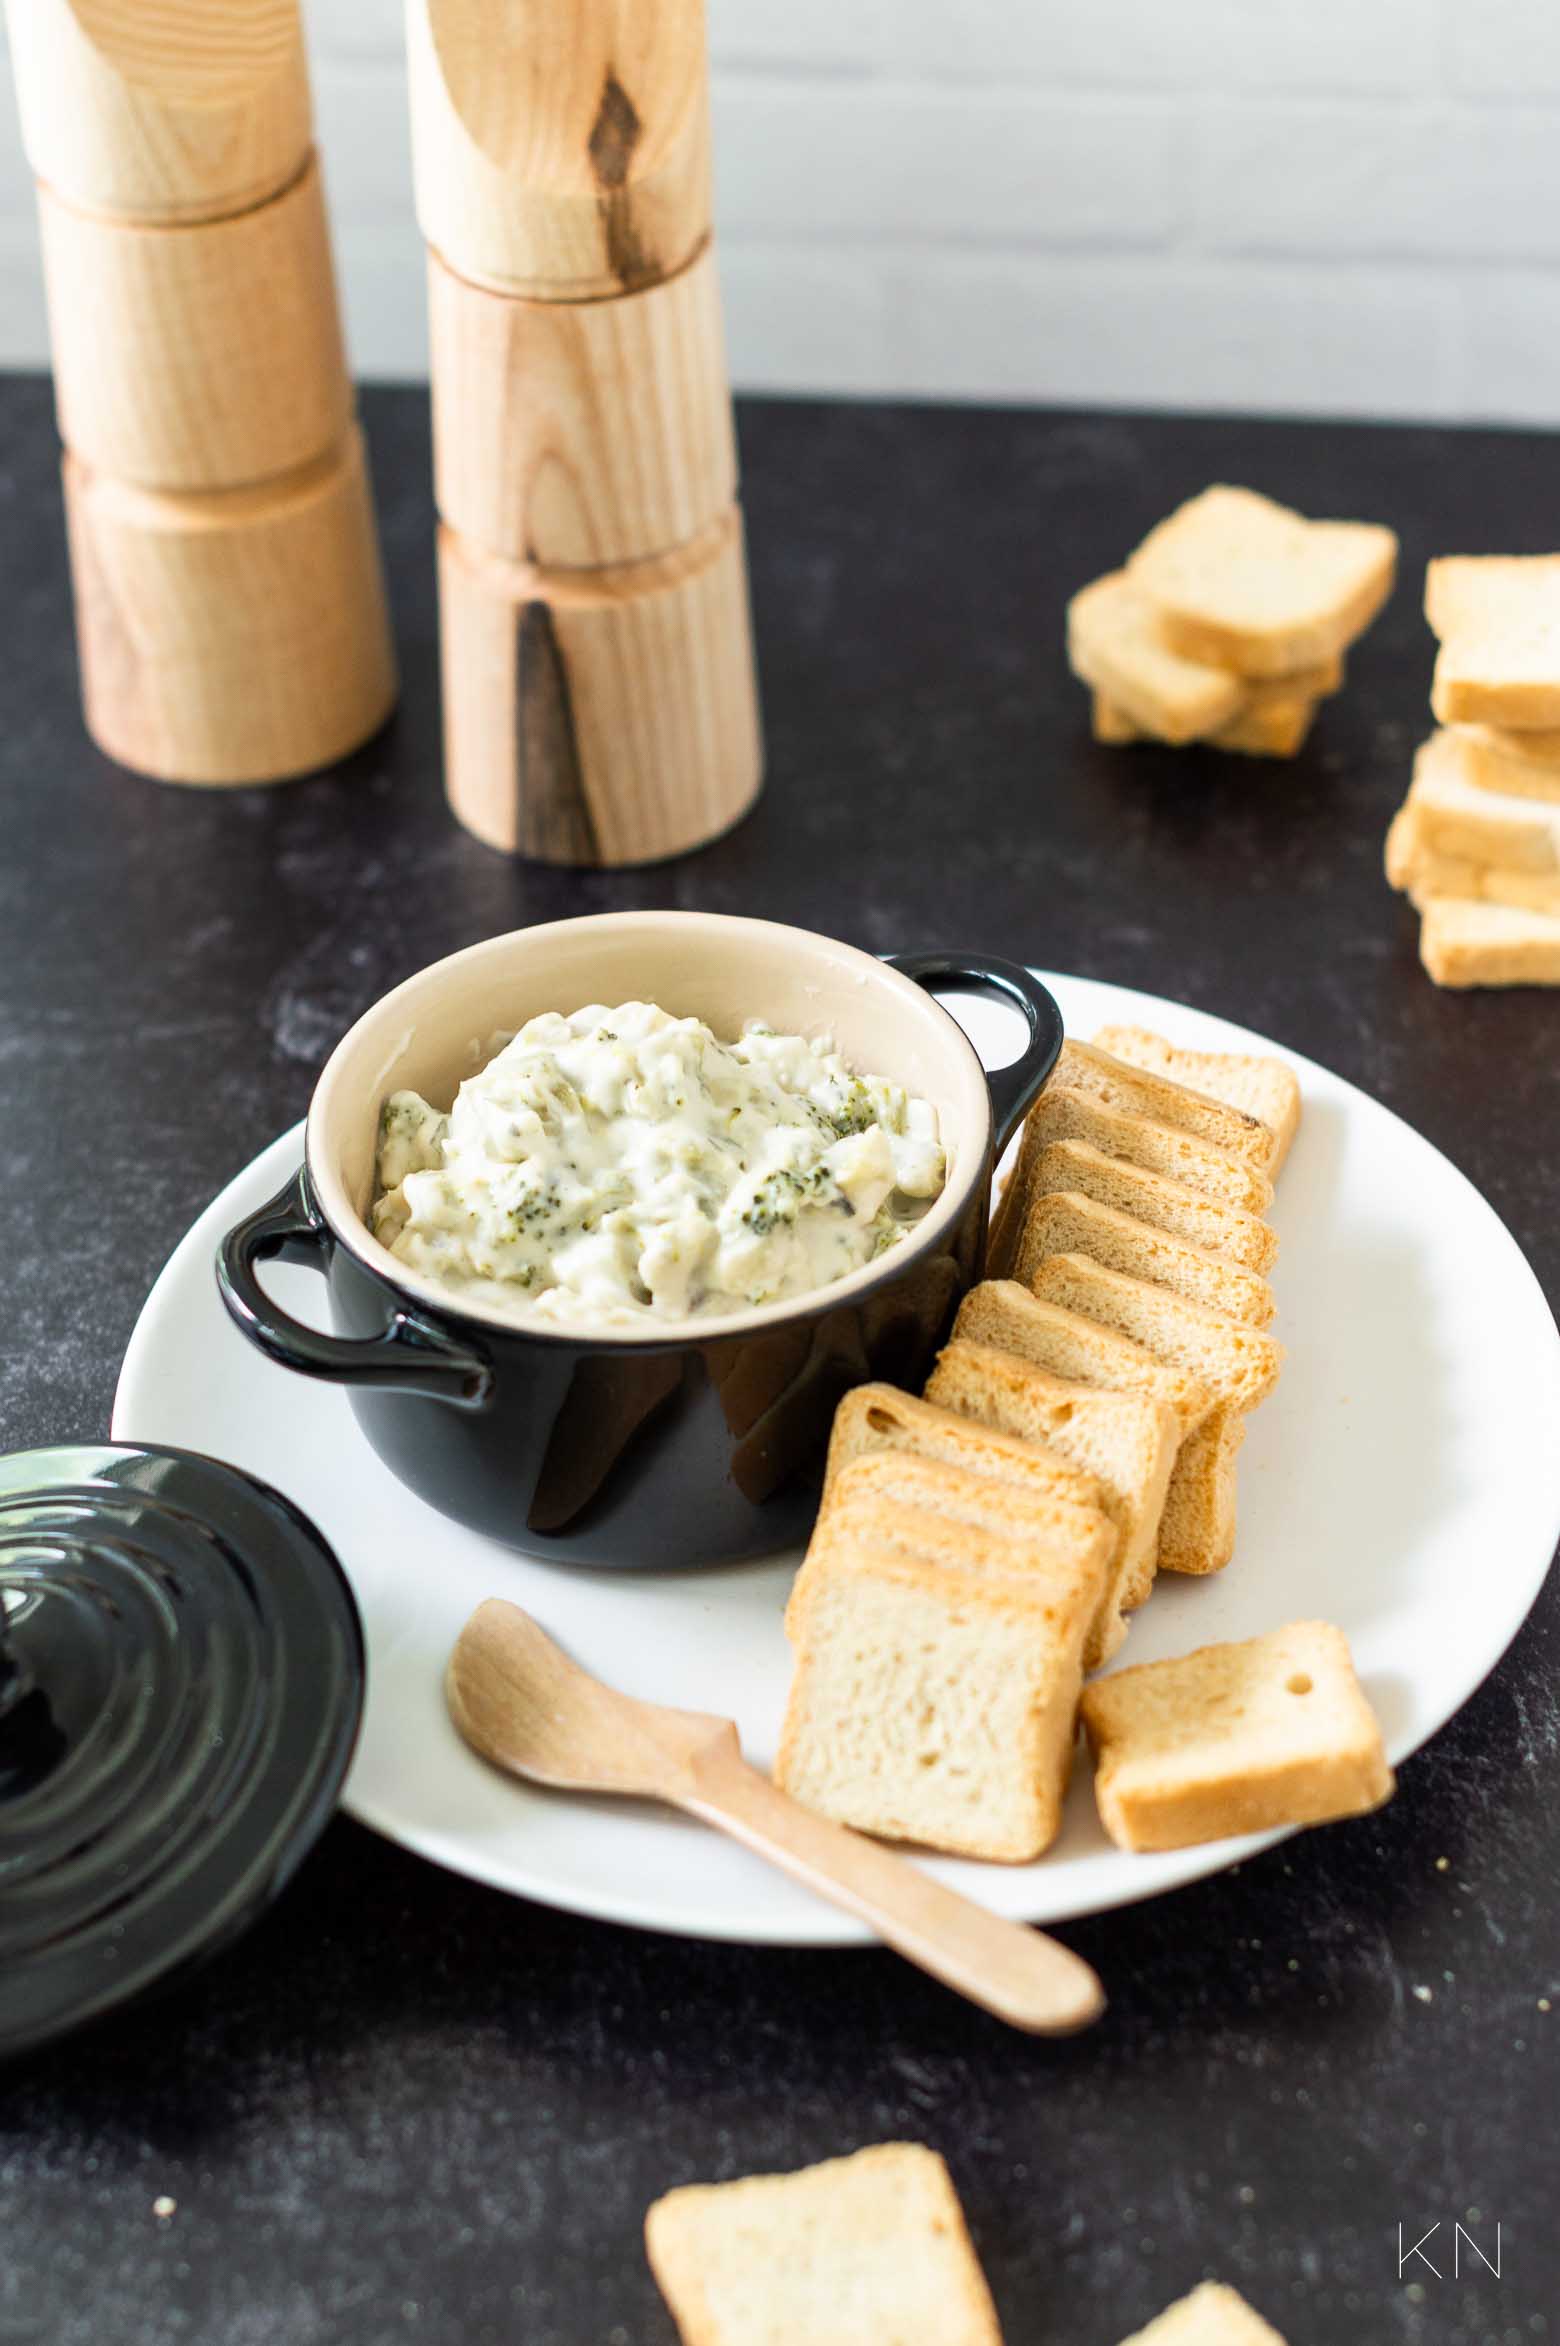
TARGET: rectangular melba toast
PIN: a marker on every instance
(948, 1514)
(1258, 1084)
(1127, 1440)
(1251, 585)
(1234, 1739)
(870, 2250)
(1141, 1092)
(1463, 944)
(878, 1417)
(1422, 871)
(1168, 1204)
(1067, 1223)
(1009, 1318)
(1064, 1113)
(1461, 817)
(1012, 1318)
(934, 1703)
(1498, 620)
(1114, 644)
(1237, 1363)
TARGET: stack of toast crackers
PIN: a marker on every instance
(979, 1547)
(1476, 843)
(868, 2250)
(1229, 624)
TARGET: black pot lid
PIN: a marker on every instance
(181, 1682)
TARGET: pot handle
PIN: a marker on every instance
(411, 1354)
(1014, 1089)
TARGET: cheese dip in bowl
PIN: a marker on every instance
(621, 1166)
(611, 1213)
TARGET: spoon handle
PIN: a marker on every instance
(1025, 1978)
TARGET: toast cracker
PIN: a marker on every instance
(1140, 1092)
(1154, 1197)
(1234, 1739)
(1127, 1440)
(1498, 620)
(1240, 1365)
(1211, 2316)
(935, 1704)
(1197, 1529)
(1460, 817)
(1476, 944)
(1058, 1526)
(1069, 1223)
(1263, 1086)
(947, 1514)
(1273, 727)
(876, 1417)
(855, 2252)
(1147, 1118)
(1520, 765)
(1010, 1318)
(1064, 1113)
(1114, 644)
(859, 1515)
(1422, 872)
(1248, 584)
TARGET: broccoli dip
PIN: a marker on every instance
(622, 1165)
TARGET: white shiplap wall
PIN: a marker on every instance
(1341, 206)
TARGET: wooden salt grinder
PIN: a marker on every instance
(230, 606)
(600, 704)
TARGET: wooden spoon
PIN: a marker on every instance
(519, 1701)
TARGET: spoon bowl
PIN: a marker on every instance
(521, 1703)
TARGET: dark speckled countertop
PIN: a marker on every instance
(409, 2108)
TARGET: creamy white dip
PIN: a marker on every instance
(623, 1165)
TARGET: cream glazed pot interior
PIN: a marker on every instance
(438, 1027)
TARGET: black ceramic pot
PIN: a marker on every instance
(704, 1441)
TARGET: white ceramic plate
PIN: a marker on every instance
(1404, 1481)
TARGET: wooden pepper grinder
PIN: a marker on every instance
(230, 605)
(600, 703)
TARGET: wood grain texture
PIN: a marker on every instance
(574, 434)
(161, 109)
(200, 357)
(601, 717)
(231, 638)
(526, 1707)
(561, 147)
